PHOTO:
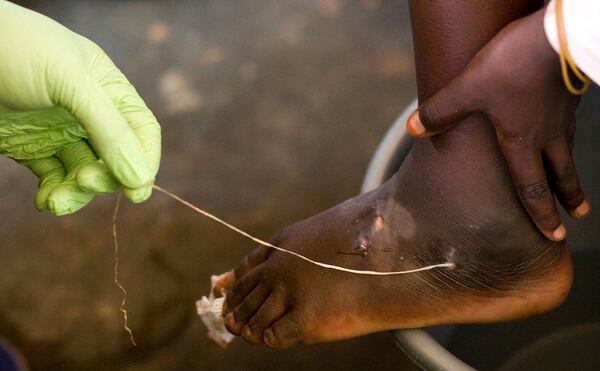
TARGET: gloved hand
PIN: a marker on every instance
(516, 81)
(70, 115)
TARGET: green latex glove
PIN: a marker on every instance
(70, 115)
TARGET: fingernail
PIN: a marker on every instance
(559, 233)
(582, 210)
(138, 195)
(415, 127)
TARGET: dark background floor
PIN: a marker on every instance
(270, 111)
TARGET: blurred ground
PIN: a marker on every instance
(270, 111)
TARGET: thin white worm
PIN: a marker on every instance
(116, 268)
(449, 265)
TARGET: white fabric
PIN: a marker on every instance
(582, 27)
(210, 310)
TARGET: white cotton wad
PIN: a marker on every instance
(210, 311)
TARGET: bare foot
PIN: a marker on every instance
(466, 213)
(452, 199)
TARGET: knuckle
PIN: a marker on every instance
(512, 140)
(568, 185)
(430, 115)
(534, 192)
(566, 174)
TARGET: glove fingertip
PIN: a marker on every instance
(138, 195)
(67, 199)
(96, 178)
(127, 162)
(41, 197)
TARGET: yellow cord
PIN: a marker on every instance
(566, 60)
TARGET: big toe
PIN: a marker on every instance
(222, 283)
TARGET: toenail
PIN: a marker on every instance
(582, 210)
(246, 332)
(559, 233)
(378, 223)
(269, 338)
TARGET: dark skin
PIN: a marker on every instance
(463, 209)
(515, 80)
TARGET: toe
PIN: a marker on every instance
(222, 283)
(284, 333)
(237, 319)
(272, 309)
(252, 260)
(241, 288)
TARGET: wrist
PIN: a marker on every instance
(546, 56)
(550, 29)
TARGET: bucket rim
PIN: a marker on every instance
(417, 344)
